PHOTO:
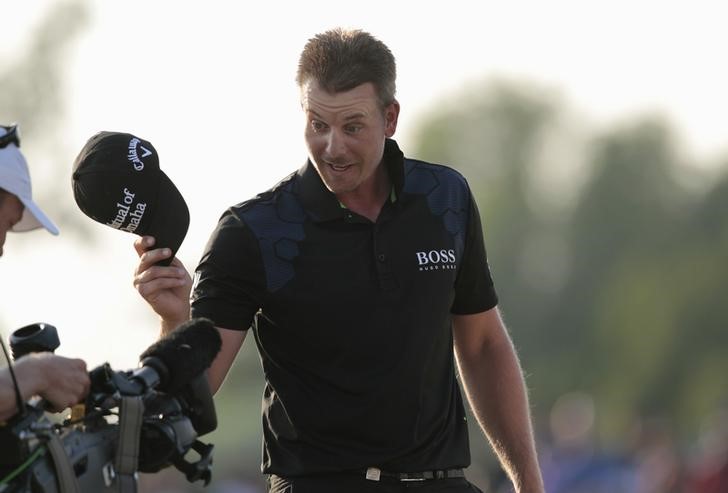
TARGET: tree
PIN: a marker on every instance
(632, 313)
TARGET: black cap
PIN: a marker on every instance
(117, 182)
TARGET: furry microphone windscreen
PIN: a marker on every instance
(184, 354)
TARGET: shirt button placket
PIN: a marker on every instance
(384, 272)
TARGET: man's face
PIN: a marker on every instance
(345, 135)
(11, 211)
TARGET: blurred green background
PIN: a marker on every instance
(609, 248)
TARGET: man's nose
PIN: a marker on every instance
(335, 144)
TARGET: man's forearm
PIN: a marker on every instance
(27, 377)
(167, 326)
(171, 320)
(494, 385)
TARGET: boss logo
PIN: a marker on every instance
(436, 259)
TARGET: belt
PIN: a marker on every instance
(375, 474)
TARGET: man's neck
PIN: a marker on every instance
(367, 201)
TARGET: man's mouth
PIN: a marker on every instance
(339, 167)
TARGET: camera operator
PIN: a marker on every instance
(60, 381)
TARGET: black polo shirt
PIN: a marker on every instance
(352, 318)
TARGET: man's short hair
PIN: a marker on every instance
(340, 60)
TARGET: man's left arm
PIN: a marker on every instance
(493, 382)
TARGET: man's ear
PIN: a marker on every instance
(391, 114)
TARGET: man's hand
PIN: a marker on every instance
(64, 381)
(165, 288)
(60, 381)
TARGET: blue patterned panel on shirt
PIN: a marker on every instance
(278, 226)
(446, 192)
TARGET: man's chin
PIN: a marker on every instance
(337, 186)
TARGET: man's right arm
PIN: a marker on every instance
(167, 290)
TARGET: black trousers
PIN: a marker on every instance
(359, 484)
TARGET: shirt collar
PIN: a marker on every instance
(322, 205)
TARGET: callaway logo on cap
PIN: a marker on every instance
(117, 182)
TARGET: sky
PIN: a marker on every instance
(211, 85)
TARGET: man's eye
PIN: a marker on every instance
(353, 129)
(317, 126)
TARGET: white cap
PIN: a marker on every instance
(15, 178)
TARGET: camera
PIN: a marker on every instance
(140, 420)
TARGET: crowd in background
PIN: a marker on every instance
(651, 461)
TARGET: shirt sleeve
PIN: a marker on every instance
(474, 288)
(228, 285)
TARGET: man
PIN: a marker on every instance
(59, 380)
(359, 273)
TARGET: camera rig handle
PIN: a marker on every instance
(199, 470)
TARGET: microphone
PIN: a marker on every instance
(180, 356)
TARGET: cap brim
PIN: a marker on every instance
(34, 218)
(171, 218)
